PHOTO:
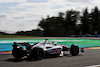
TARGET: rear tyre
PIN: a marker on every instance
(74, 50)
(18, 53)
(37, 54)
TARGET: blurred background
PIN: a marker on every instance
(48, 18)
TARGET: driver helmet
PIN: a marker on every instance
(55, 43)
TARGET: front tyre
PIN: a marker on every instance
(37, 54)
(74, 50)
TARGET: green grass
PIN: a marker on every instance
(14, 36)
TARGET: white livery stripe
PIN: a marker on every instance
(93, 66)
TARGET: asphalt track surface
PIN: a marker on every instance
(89, 57)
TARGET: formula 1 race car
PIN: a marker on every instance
(41, 49)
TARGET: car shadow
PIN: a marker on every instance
(14, 60)
(47, 57)
(69, 55)
(26, 59)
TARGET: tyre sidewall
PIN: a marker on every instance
(37, 54)
(74, 50)
(18, 53)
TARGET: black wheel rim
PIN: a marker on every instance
(40, 53)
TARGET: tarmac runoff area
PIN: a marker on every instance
(90, 58)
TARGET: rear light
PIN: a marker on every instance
(18, 47)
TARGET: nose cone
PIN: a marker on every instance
(82, 49)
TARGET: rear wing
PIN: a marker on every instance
(22, 44)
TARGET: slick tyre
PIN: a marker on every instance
(37, 54)
(74, 50)
(18, 53)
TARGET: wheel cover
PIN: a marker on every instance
(40, 53)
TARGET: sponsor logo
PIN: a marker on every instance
(55, 51)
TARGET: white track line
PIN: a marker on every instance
(93, 66)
